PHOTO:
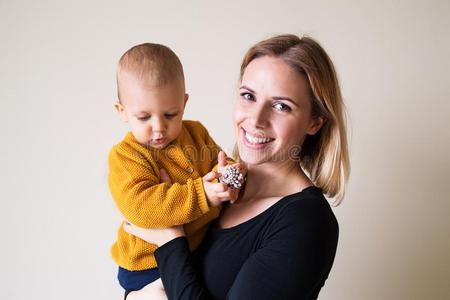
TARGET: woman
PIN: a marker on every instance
(278, 241)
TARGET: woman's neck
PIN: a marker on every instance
(274, 180)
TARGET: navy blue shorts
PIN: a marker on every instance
(136, 280)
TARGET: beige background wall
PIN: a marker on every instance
(57, 124)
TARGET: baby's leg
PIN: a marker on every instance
(154, 290)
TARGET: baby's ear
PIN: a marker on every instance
(121, 111)
(186, 97)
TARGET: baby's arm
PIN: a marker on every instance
(146, 202)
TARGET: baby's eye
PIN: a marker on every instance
(171, 116)
(143, 118)
(248, 96)
(282, 107)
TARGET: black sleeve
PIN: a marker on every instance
(292, 262)
(177, 271)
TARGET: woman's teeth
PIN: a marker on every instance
(256, 140)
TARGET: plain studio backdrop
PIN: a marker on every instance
(57, 77)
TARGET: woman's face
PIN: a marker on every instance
(272, 114)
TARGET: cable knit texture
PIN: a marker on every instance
(135, 184)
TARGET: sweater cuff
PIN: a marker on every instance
(201, 196)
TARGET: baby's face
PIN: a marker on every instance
(154, 114)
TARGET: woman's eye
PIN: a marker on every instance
(247, 96)
(144, 118)
(170, 116)
(282, 107)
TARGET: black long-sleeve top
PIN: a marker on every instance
(286, 252)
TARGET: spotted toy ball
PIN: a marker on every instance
(232, 177)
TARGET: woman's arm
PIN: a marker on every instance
(174, 262)
(292, 262)
(178, 272)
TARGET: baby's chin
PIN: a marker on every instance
(151, 145)
(160, 144)
(159, 147)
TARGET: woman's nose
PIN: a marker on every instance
(260, 115)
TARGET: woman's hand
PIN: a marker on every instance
(154, 236)
(153, 291)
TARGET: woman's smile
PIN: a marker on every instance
(256, 141)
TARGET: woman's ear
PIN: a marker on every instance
(121, 111)
(316, 124)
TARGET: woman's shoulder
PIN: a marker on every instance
(307, 209)
(310, 197)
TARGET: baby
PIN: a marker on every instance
(151, 99)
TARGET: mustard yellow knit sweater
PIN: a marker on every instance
(135, 184)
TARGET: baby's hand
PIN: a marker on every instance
(235, 178)
(222, 162)
(216, 192)
(231, 175)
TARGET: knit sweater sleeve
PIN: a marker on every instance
(292, 262)
(146, 202)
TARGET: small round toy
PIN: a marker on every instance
(232, 177)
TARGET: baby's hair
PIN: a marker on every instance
(152, 64)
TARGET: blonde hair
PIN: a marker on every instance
(149, 63)
(324, 156)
